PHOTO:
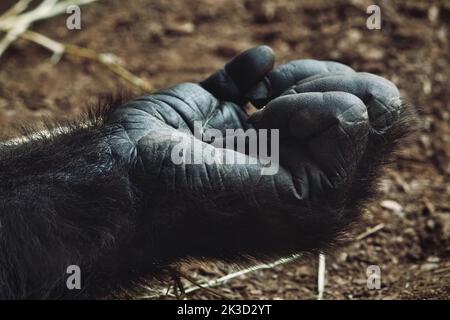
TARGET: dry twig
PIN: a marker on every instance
(15, 22)
(321, 277)
(370, 231)
(222, 280)
(109, 60)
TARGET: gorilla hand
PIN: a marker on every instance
(330, 120)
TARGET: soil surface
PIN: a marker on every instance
(406, 232)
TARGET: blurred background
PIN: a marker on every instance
(156, 43)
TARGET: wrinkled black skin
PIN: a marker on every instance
(106, 196)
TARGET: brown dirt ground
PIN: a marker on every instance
(171, 41)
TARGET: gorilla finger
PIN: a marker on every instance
(305, 115)
(329, 129)
(381, 96)
(286, 75)
(240, 74)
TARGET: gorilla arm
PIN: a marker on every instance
(105, 195)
